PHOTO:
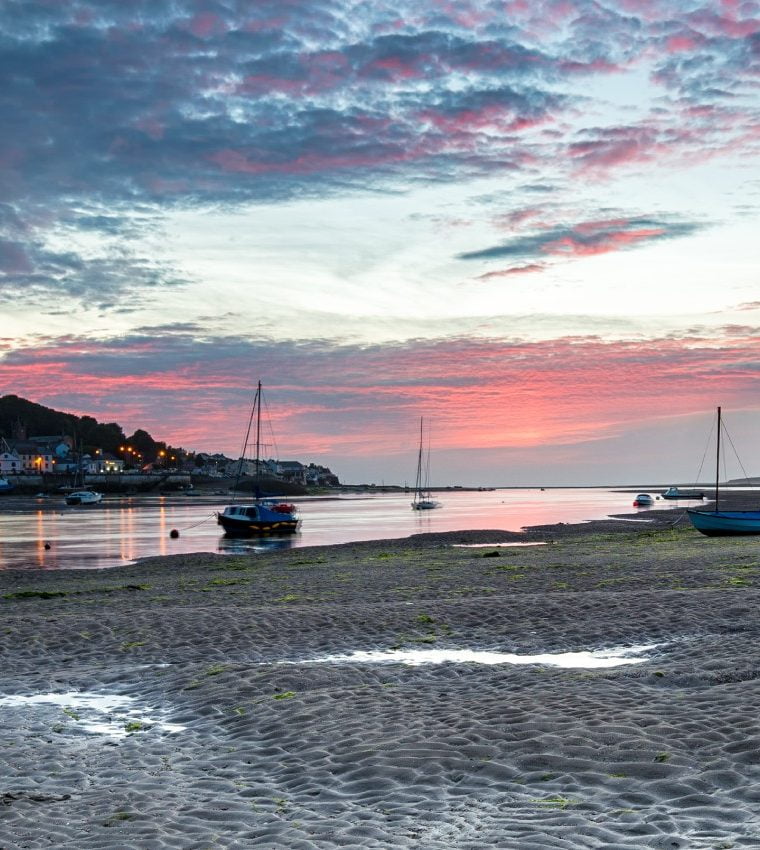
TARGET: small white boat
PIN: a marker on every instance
(83, 497)
(643, 500)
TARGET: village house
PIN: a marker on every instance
(33, 457)
(291, 470)
(10, 463)
(102, 463)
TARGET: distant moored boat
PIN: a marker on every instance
(678, 493)
(423, 500)
(83, 497)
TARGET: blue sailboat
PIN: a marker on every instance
(718, 523)
(262, 516)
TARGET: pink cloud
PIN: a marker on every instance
(727, 25)
(603, 243)
(530, 268)
(680, 44)
(496, 117)
(481, 393)
(206, 24)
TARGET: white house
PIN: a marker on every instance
(10, 463)
(34, 459)
(102, 463)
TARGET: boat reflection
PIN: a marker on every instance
(243, 545)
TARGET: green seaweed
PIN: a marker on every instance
(555, 802)
(117, 817)
(285, 695)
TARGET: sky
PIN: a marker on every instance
(533, 223)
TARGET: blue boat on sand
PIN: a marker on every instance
(718, 523)
(725, 523)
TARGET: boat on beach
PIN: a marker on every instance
(83, 497)
(678, 493)
(263, 515)
(718, 523)
(423, 500)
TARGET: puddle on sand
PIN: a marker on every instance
(101, 714)
(497, 545)
(584, 659)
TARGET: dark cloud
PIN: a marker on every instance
(586, 238)
(108, 107)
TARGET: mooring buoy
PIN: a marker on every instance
(174, 533)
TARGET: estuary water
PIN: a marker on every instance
(48, 534)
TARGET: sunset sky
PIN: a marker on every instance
(533, 223)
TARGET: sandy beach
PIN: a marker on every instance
(211, 701)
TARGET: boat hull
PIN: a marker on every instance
(85, 497)
(425, 505)
(256, 520)
(725, 523)
(252, 528)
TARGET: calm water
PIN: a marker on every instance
(121, 530)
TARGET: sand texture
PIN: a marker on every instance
(221, 727)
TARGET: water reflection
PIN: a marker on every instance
(242, 545)
(104, 714)
(121, 530)
(587, 659)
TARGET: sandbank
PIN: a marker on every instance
(216, 701)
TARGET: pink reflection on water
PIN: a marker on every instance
(121, 530)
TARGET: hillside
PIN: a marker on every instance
(21, 418)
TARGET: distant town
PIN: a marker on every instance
(56, 455)
(81, 447)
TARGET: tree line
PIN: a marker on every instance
(21, 418)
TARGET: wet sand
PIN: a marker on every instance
(227, 730)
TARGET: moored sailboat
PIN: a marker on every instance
(718, 523)
(263, 515)
(423, 500)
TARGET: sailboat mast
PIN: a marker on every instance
(255, 407)
(258, 428)
(418, 481)
(717, 465)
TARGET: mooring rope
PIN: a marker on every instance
(196, 524)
